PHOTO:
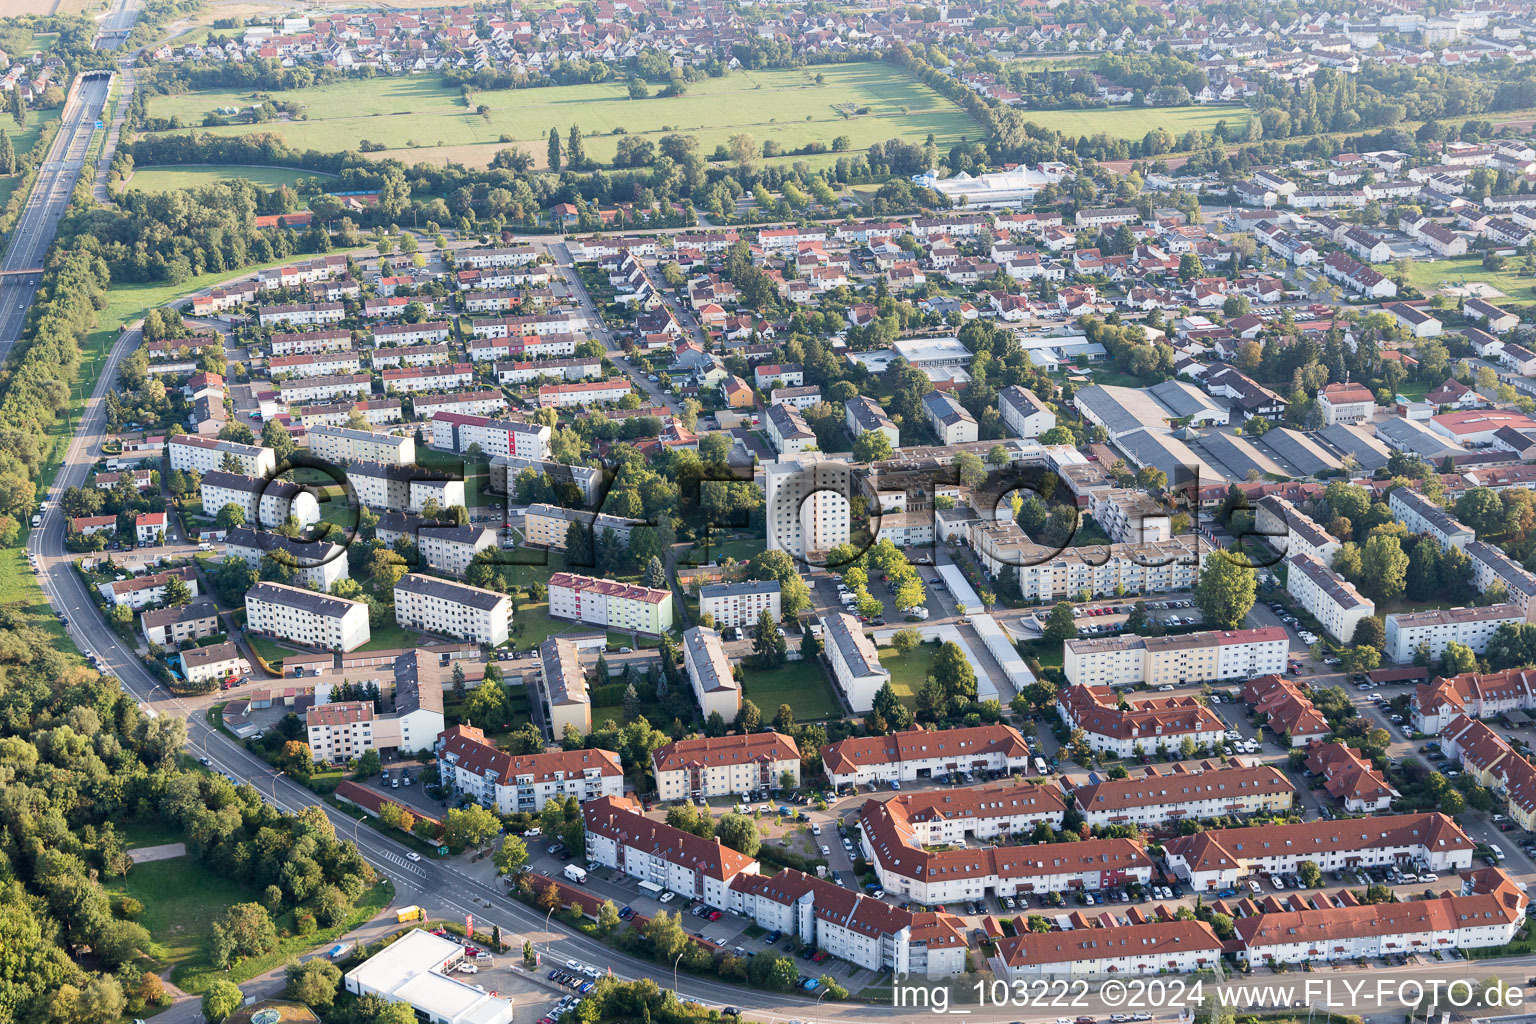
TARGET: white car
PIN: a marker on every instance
(666, 897)
(815, 830)
(468, 969)
(826, 851)
(412, 855)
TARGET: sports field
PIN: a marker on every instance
(1443, 275)
(428, 120)
(1129, 123)
(167, 179)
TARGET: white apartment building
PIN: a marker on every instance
(425, 333)
(739, 604)
(455, 432)
(450, 549)
(1139, 728)
(302, 314)
(808, 507)
(306, 390)
(1437, 627)
(340, 731)
(863, 414)
(730, 765)
(1346, 403)
(468, 763)
(1048, 575)
(411, 379)
(344, 444)
(1024, 413)
(1180, 794)
(170, 627)
(943, 817)
(1328, 597)
(618, 606)
(319, 565)
(1129, 516)
(309, 342)
(304, 617)
(908, 871)
(1208, 656)
(951, 421)
(1491, 565)
(453, 609)
(1217, 858)
(262, 500)
(855, 663)
(1154, 947)
(852, 926)
(1421, 515)
(619, 836)
(788, 430)
(315, 364)
(188, 451)
(1292, 531)
(406, 488)
(547, 525)
(918, 753)
(709, 670)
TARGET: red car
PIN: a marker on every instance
(714, 915)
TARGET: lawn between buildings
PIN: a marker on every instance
(789, 107)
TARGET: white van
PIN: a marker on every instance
(1041, 768)
(575, 874)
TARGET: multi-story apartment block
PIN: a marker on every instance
(1421, 515)
(340, 731)
(739, 604)
(709, 670)
(1291, 531)
(1128, 659)
(564, 686)
(1140, 728)
(450, 549)
(263, 501)
(548, 525)
(619, 836)
(1048, 575)
(302, 314)
(173, 626)
(918, 753)
(306, 390)
(855, 663)
(188, 451)
(1129, 516)
(713, 766)
(943, 817)
(587, 481)
(808, 505)
(469, 764)
(619, 606)
(455, 432)
(565, 396)
(454, 609)
(1491, 566)
(1476, 695)
(1436, 627)
(1179, 793)
(316, 564)
(788, 430)
(405, 488)
(951, 421)
(304, 617)
(427, 332)
(864, 414)
(343, 444)
(1024, 413)
(1217, 858)
(310, 342)
(908, 871)
(1328, 597)
(850, 925)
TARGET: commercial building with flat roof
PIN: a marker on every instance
(415, 970)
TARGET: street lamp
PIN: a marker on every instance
(674, 968)
(275, 776)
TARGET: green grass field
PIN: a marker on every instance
(1431, 278)
(800, 684)
(180, 896)
(1128, 123)
(909, 671)
(167, 179)
(786, 106)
